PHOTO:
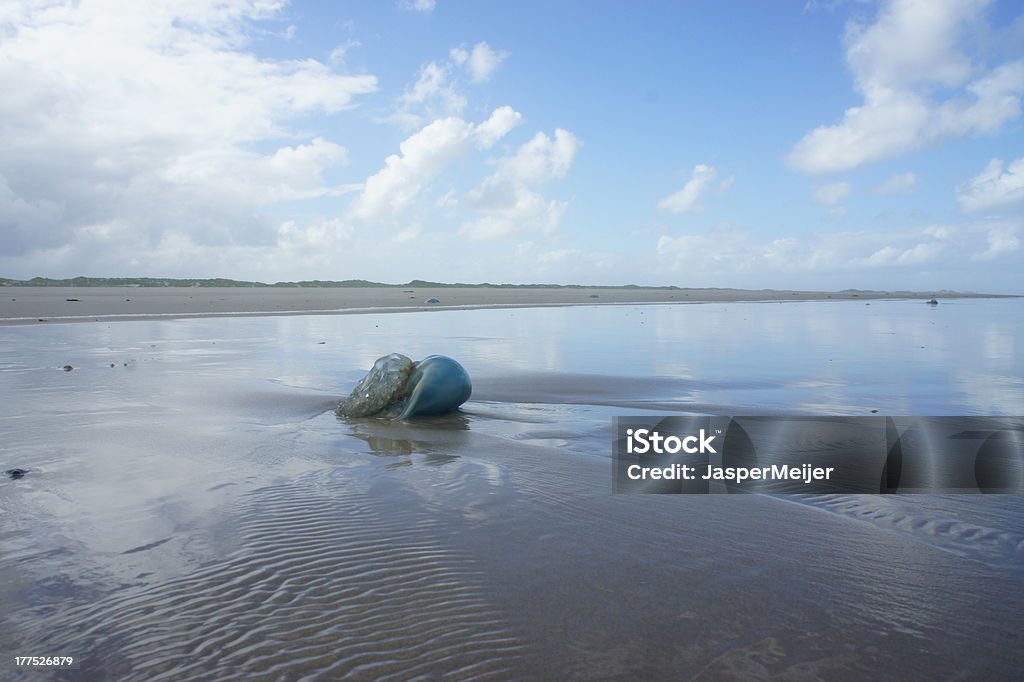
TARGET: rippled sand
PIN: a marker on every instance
(198, 512)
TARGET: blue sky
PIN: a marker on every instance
(820, 144)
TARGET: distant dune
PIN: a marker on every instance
(34, 302)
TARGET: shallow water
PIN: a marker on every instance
(197, 511)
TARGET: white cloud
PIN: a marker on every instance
(145, 118)
(913, 41)
(939, 231)
(707, 252)
(993, 187)
(830, 195)
(686, 200)
(898, 184)
(425, 155)
(501, 121)
(316, 236)
(730, 253)
(1001, 241)
(507, 198)
(913, 50)
(430, 82)
(483, 60)
(425, 6)
(890, 255)
(436, 93)
(338, 54)
(236, 176)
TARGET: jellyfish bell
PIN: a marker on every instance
(398, 388)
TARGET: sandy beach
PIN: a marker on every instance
(32, 305)
(192, 508)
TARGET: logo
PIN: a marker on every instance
(645, 441)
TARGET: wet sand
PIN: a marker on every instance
(194, 509)
(31, 305)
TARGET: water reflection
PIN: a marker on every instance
(425, 436)
(207, 474)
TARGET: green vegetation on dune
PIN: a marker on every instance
(125, 282)
(166, 282)
(306, 284)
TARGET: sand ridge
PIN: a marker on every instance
(33, 305)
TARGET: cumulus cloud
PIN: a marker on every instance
(340, 52)
(425, 155)
(687, 199)
(481, 61)
(939, 231)
(891, 255)
(914, 50)
(830, 195)
(317, 236)
(436, 91)
(242, 177)
(903, 183)
(146, 121)
(433, 95)
(1001, 241)
(508, 198)
(994, 187)
(706, 252)
(730, 252)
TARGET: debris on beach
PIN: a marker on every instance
(398, 388)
